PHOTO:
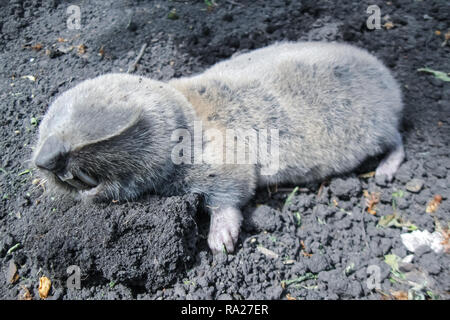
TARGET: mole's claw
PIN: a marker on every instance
(224, 230)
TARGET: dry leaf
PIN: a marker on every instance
(25, 294)
(303, 250)
(437, 32)
(37, 46)
(15, 278)
(322, 185)
(61, 40)
(434, 204)
(81, 49)
(384, 295)
(367, 175)
(31, 78)
(101, 51)
(388, 25)
(267, 252)
(446, 242)
(302, 243)
(371, 200)
(400, 295)
(44, 287)
(289, 297)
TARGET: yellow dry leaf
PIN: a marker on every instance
(303, 249)
(446, 242)
(367, 175)
(388, 25)
(101, 51)
(37, 46)
(44, 287)
(371, 200)
(434, 204)
(15, 278)
(81, 49)
(25, 294)
(289, 297)
(400, 295)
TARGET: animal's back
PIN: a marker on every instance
(333, 104)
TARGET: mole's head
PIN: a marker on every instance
(105, 139)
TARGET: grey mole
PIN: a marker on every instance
(333, 105)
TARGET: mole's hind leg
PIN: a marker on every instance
(224, 229)
(389, 165)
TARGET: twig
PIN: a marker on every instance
(132, 67)
(291, 189)
(320, 189)
(364, 227)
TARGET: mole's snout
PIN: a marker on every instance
(53, 155)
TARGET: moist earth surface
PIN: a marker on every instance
(340, 238)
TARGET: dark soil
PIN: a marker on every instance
(320, 244)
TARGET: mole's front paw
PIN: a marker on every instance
(224, 229)
(390, 164)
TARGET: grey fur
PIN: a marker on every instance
(333, 104)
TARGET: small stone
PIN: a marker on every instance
(339, 285)
(355, 289)
(263, 218)
(421, 250)
(345, 188)
(417, 239)
(274, 292)
(267, 252)
(406, 267)
(224, 296)
(408, 258)
(414, 185)
(404, 173)
(11, 275)
(179, 290)
(317, 263)
(381, 181)
(429, 263)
